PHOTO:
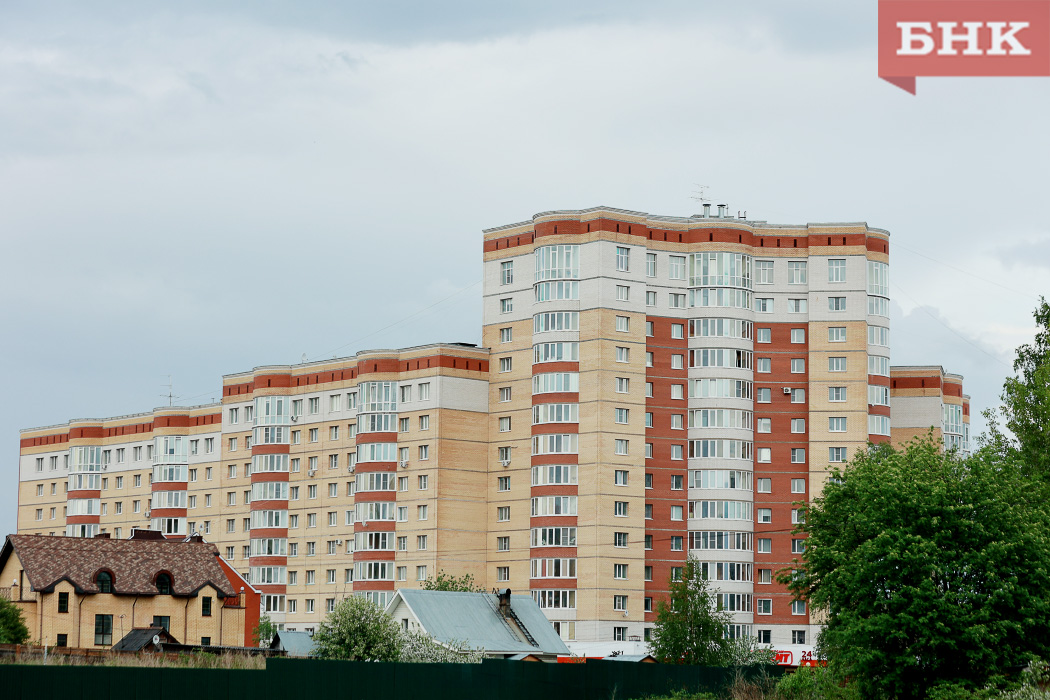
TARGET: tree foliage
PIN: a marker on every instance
(13, 628)
(689, 629)
(358, 630)
(264, 631)
(419, 647)
(1026, 403)
(447, 582)
(933, 569)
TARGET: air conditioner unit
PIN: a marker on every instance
(147, 515)
(505, 463)
(105, 467)
(294, 418)
(311, 472)
(404, 463)
(350, 469)
(787, 390)
(339, 543)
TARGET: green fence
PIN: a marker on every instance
(295, 679)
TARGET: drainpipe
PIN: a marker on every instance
(80, 627)
(185, 620)
(136, 602)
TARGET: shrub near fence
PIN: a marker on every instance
(298, 679)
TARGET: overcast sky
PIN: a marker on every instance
(196, 188)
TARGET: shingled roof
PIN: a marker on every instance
(134, 564)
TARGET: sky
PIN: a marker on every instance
(194, 189)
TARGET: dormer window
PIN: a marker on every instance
(104, 581)
(164, 584)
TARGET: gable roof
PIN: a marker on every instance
(475, 618)
(295, 643)
(133, 563)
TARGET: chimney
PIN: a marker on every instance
(707, 211)
(722, 210)
(504, 601)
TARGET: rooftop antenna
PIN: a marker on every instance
(701, 194)
(171, 392)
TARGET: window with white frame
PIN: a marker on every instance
(506, 305)
(623, 292)
(836, 270)
(836, 394)
(836, 303)
(797, 272)
(798, 486)
(837, 424)
(836, 364)
(650, 264)
(798, 365)
(764, 272)
(798, 425)
(623, 324)
(623, 259)
(506, 272)
(623, 354)
(798, 335)
(505, 364)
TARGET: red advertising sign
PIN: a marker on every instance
(962, 38)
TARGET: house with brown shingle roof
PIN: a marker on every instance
(87, 593)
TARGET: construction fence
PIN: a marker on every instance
(305, 679)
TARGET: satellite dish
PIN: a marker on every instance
(156, 639)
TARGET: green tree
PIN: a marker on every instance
(689, 629)
(13, 628)
(447, 582)
(1026, 403)
(358, 630)
(264, 631)
(933, 569)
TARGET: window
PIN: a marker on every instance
(506, 334)
(623, 259)
(650, 264)
(763, 545)
(798, 425)
(678, 330)
(797, 306)
(836, 393)
(798, 486)
(764, 272)
(506, 272)
(763, 606)
(836, 270)
(763, 305)
(138, 478)
(623, 324)
(313, 434)
(648, 511)
(619, 539)
(764, 455)
(798, 335)
(421, 512)
(798, 515)
(424, 452)
(763, 364)
(620, 602)
(648, 481)
(798, 607)
(676, 267)
(798, 365)
(505, 364)
(796, 272)
(878, 335)
(504, 393)
(798, 455)
(424, 391)
(620, 446)
(836, 454)
(649, 390)
(836, 364)
(650, 298)
(649, 329)
(620, 509)
(502, 573)
(622, 385)
(765, 485)
(798, 636)
(763, 425)
(623, 292)
(506, 305)
(103, 630)
(649, 573)
(503, 514)
(619, 571)
(763, 395)
(503, 544)
(837, 424)
(676, 301)
(620, 477)
(620, 415)
(798, 396)
(623, 354)
(836, 303)
(764, 515)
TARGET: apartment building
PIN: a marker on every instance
(689, 381)
(925, 398)
(314, 480)
(651, 388)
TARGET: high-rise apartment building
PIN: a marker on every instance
(926, 398)
(672, 386)
(652, 388)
